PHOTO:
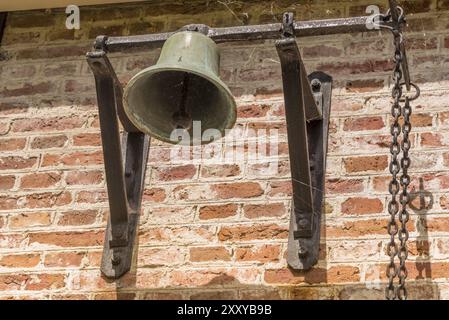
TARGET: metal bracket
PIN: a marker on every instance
(124, 179)
(307, 109)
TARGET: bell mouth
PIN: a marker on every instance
(154, 96)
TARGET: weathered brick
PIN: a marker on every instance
(46, 142)
(16, 162)
(252, 232)
(31, 219)
(344, 185)
(67, 239)
(364, 123)
(20, 260)
(264, 210)
(337, 274)
(27, 89)
(40, 180)
(361, 205)
(7, 182)
(175, 173)
(154, 195)
(49, 124)
(220, 171)
(77, 217)
(84, 177)
(264, 253)
(87, 139)
(63, 259)
(202, 254)
(218, 211)
(238, 190)
(366, 163)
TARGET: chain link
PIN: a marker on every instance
(398, 187)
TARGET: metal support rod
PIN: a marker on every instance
(3, 16)
(246, 33)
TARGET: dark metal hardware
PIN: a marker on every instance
(398, 22)
(124, 178)
(3, 16)
(247, 33)
(307, 140)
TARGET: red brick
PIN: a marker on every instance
(7, 182)
(432, 139)
(27, 89)
(264, 210)
(218, 211)
(321, 51)
(47, 52)
(364, 123)
(202, 254)
(238, 190)
(46, 142)
(366, 163)
(220, 171)
(253, 111)
(355, 206)
(68, 239)
(87, 139)
(77, 218)
(427, 43)
(31, 219)
(91, 197)
(12, 281)
(280, 188)
(360, 228)
(84, 177)
(63, 259)
(252, 232)
(73, 159)
(344, 185)
(154, 195)
(15, 162)
(47, 200)
(264, 253)
(12, 144)
(176, 173)
(20, 260)
(363, 67)
(362, 86)
(40, 180)
(45, 282)
(337, 274)
(7, 108)
(59, 123)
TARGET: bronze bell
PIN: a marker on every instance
(182, 87)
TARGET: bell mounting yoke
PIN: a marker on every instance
(307, 108)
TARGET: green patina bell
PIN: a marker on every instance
(182, 87)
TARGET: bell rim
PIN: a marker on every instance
(168, 67)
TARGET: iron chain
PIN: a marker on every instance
(398, 186)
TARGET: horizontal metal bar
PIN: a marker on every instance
(246, 33)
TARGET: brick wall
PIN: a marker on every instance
(217, 231)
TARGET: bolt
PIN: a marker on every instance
(302, 251)
(302, 223)
(115, 259)
(316, 85)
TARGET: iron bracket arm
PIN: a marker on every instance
(124, 179)
(307, 140)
